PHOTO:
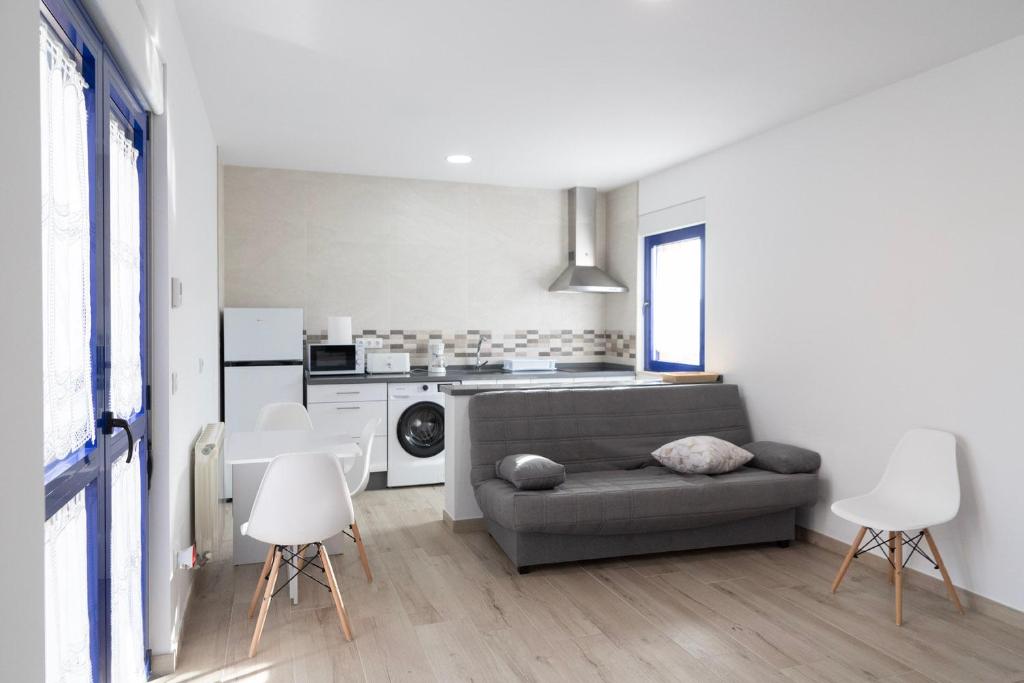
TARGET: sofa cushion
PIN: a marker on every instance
(651, 498)
(782, 458)
(598, 429)
(530, 472)
(702, 455)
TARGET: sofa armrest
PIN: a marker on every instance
(782, 458)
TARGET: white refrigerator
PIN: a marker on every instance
(263, 363)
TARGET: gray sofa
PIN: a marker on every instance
(616, 499)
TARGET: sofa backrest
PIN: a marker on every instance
(599, 429)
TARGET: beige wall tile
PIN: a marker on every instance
(403, 254)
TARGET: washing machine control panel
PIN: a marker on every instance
(406, 390)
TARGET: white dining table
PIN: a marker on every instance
(247, 455)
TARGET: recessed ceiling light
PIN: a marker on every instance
(458, 158)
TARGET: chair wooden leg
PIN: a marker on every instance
(898, 571)
(259, 582)
(892, 557)
(335, 593)
(265, 607)
(942, 568)
(362, 552)
(849, 558)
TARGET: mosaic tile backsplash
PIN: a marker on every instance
(460, 345)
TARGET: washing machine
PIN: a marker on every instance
(415, 434)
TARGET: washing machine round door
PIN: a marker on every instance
(421, 429)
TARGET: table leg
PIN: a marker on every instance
(293, 587)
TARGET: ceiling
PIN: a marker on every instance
(548, 93)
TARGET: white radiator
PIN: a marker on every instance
(208, 454)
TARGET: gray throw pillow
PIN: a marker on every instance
(783, 458)
(530, 472)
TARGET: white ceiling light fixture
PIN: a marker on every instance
(458, 159)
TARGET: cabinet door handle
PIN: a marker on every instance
(346, 407)
(345, 393)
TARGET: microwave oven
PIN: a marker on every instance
(336, 359)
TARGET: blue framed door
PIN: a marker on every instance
(128, 446)
(87, 481)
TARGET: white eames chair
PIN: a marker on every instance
(360, 474)
(920, 489)
(275, 417)
(302, 501)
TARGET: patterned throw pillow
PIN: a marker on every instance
(702, 455)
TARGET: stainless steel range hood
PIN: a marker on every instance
(582, 273)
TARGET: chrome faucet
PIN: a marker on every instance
(478, 345)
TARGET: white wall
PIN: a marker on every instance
(864, 277)
(185, 339)
(21, 400)
(621, 211)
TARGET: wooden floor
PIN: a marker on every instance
(449, 607)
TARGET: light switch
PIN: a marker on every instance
(176, 291)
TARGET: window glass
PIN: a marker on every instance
(125, 398)
(68, 411)
(674, 300)
(66, 579)
(127, 647)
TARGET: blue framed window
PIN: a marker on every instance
(674, 300)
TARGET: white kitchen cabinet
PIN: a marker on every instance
(547, 381)
(348, 419)
(346, 408)
(616, 379)
(344, 393)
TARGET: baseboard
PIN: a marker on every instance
(378, 481)
(932, 584)
(164, 664)
(462, 526)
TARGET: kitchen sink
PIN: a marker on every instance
(485, 370)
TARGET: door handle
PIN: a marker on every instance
(346, 407)
(109, 422)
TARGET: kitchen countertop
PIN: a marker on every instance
(473, 389)
(493, 371)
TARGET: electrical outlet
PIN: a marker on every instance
(187, 557)
(374, 343)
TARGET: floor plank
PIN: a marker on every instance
(450, 607)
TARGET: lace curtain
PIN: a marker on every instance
(125, 276)
(67, 310)
(66, 602)
(127, 647)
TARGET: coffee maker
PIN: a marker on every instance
(436, 366)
